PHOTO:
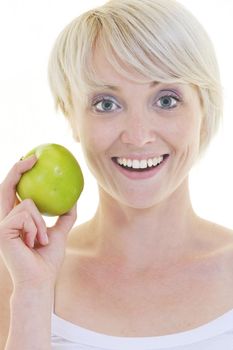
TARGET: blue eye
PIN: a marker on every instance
(167, 101)
(105, 105)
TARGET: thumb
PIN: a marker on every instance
(63, 225)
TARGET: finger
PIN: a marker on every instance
(40, 223)
(18, 169)
(30, 231)
(63, 224)
(13, 248)
(19, 225)
(8, 186)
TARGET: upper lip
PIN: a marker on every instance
(141, 156)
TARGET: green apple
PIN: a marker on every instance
(55, 182)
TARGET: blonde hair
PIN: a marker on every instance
(160, 39)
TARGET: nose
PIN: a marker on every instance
(138, 129)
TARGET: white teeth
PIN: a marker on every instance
(143, 164)
(129, 163)
(139, 164)
(157, 160)
(150, 162)
(136, 164)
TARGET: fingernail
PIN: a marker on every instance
(30, 157)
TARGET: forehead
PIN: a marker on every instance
(105, 73)
(107, 77)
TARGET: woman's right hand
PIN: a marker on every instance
(29, 257)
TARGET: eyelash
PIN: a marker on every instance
(102, 99)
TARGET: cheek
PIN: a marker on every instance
(97, 138)
(186, 131)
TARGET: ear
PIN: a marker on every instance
(76, 136)
(203, 130)
(74, 128)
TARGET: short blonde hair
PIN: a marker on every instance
(160, 39)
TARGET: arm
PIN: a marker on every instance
(32, 262)
(6, 289)
(30, 319)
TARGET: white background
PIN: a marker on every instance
(27, 32)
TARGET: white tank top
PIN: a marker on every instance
(215, 335)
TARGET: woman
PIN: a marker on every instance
(139, 84)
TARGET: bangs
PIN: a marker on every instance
(144, 41)
(154, 49)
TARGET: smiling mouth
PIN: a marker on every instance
(140, 165)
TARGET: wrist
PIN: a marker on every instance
(24, 298)
(42, 286)
(30, 318)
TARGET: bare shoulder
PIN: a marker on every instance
(223, 236)
(219, 239)
(227, 238)
(81, 237)
(6, 288)
(215, 234)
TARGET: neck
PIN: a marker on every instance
(142, 237)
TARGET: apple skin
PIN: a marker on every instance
(54, 183)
